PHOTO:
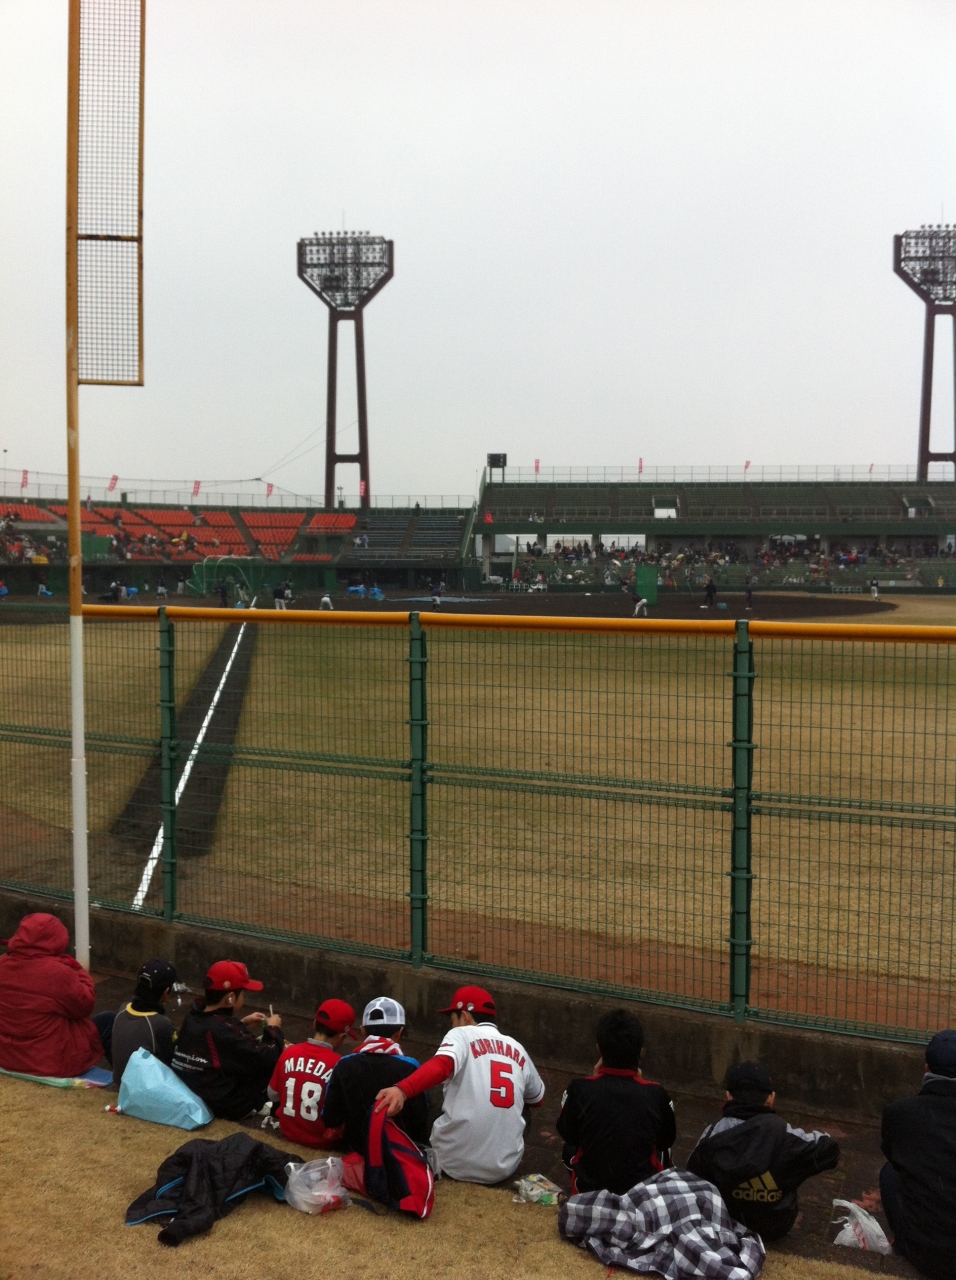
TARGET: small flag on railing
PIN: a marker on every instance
(537, 465)
(640, 466)
(112, 484)
(871, 468)
(361, 488)
(195, 488)
(269, 489)
(747, 465)
(24, 479)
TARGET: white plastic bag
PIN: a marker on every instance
(860, 1229)
(316, 1187)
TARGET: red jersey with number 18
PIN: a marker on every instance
(479, 1136)
(300, 1079)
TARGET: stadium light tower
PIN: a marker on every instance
(346, 269)
(926, 260)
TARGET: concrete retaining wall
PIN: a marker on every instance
(687, 1051)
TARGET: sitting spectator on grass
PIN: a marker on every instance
(618, 1128)
(142, 1024)
(755, 1159)
(489, 1080)
(358, 1079)
(302, 1075)
(217, 1056)
(918, 1184)
(46, 999)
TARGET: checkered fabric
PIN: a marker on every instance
(674, 1224)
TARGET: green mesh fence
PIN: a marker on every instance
(564, 807)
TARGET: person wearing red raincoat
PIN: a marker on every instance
(46, 998)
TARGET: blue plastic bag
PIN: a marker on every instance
(149, 1090)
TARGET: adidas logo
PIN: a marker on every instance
(761, 1189)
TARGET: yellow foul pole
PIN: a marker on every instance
(81, 884)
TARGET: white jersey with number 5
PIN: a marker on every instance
(479, 1136)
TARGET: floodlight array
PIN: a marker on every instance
(928, 261)
(345, 268)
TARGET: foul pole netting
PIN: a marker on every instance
(104, 294)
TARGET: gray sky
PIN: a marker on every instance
(623, 228)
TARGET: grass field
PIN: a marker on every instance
(62, 1205)
(577, 815)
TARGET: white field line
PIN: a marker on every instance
(157, 849)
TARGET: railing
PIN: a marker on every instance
(901, 474)
(756, 821)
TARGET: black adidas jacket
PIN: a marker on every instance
(618, 1129)
(224, 1063)
(757, 1161)
(919, 1140)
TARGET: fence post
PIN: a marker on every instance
(418, 834)
(741, 876)
(167, 704)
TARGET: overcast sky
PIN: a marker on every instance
(623, 228)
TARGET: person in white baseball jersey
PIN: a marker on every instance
(488, 1078)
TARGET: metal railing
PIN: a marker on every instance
(798, 473)
(757, 821)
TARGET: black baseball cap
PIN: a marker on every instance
(749, 1079)
(941, 1053)
(157, 976)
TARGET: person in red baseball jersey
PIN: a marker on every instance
(302, 1073)
(489, 1079)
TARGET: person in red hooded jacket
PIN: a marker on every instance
(46, 998)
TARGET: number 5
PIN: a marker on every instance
(502, 1085)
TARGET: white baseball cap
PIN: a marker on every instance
(383, 1011)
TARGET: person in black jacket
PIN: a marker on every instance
(755, 1159)
(918, 1185)
(217, 1056)
(377, 1063)
(142, 1024)
(618, 1128)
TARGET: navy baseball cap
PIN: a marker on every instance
(941, 1054)
(749, 1079)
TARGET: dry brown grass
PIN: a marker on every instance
(70, 1170)
(571, 880)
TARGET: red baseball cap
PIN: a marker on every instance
(231, 975)
(336, 1016)
(471, 1000)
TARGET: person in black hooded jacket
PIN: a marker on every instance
(918, 1185)
(217, 1055)
(755, 1159)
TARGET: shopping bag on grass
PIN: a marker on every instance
(149, 1090)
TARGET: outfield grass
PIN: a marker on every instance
(579, 883)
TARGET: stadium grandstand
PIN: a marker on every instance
(848, 517)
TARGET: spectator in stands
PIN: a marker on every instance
(918, 1182)
(376, 1064)
(142, 1023)
(217, 1055)
(4, 589)
(755, 1159)
(618, 1128)
(46, 999)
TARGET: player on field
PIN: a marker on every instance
(489, 1079)
(299, 1082)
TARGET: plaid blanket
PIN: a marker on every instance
(673, 1223)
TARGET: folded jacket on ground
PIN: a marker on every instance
(204, 1180)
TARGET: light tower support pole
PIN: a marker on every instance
(365, 492)
(81, 874)
(926, 261)
(330, 409)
